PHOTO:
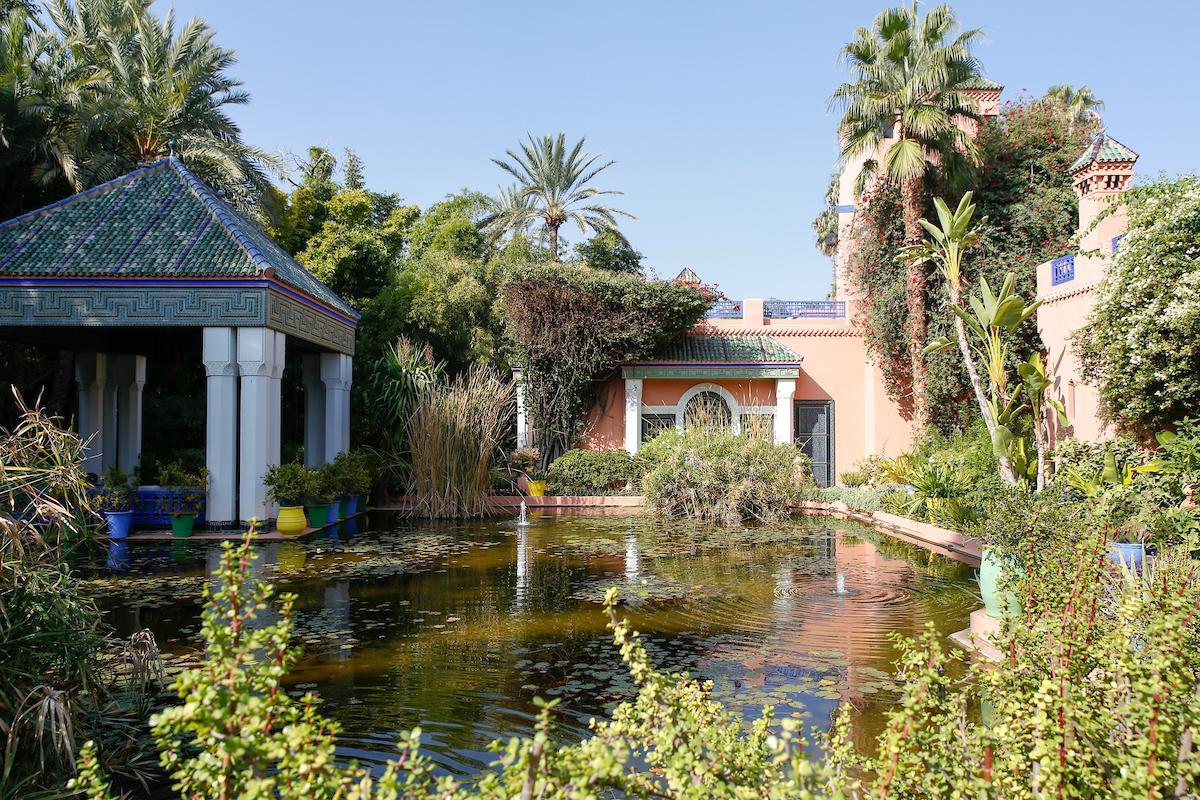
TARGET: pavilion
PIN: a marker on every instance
(156, 264)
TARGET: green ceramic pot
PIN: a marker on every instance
(182, 525)
(317, 515)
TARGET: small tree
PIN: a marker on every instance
(980, 332)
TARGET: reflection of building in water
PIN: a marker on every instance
(260, 568)
(521, 593)
(336, 611)
(633, 557)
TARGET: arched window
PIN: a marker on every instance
(708, 409)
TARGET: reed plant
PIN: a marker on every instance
(453, 435)
(53, 690)
(49, 629)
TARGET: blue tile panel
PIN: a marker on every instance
(1062, 270)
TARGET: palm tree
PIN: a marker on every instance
(43, 97)
(553, 186)
(512, 210)
(1078, 106)
(160, 91)
(907, 99)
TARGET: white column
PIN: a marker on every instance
(633, 414)
(785, 397)
(522, 418)
(108, 432)
(336, 375)
(314, 412)
(128, 375)
(257, 351)
(275, 430)
(91, 373)
(221, 424)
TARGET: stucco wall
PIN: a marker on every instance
(1065, 309)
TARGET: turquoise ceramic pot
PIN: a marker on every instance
(990, 572)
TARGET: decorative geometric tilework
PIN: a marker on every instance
(297, 319)
(97, 306)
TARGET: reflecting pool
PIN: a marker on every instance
(457, 627)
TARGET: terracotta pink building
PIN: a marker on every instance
(1067, 285)
(799, 369)
(796, 369)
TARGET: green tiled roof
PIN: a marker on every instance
(1103, 150)
(159, 221)
(980, 82)
(725, 350)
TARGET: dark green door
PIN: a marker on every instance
(814, 437)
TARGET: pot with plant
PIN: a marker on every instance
(537, 482)
(317, 500)
(331, 478)
(287, 485)
(1115, 500)
(186, 499)
(114, 499)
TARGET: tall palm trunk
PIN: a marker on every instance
(552, 230)
(912, 192)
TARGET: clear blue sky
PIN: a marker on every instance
(715, 112)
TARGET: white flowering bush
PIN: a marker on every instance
(1141, 346)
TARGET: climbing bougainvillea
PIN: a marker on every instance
(1029, 214)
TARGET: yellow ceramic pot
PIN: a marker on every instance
(537, 488)
(291, 520)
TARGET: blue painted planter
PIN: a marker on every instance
(347, 506)
(1129, 554)
(119, 523)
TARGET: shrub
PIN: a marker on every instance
(855, 498)
(854, 478)
(591, 472)
(289, 484)
(52, 686)
(1141, 346)
(721, 477)
(571, 326)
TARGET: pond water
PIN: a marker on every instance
(457, 627)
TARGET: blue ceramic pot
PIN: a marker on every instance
(119, 523)
(1129, 554)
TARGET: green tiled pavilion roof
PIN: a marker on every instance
(1103, 150)
(725, 350)
(980, 82)
(159, 221)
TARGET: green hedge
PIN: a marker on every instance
(591, 472)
